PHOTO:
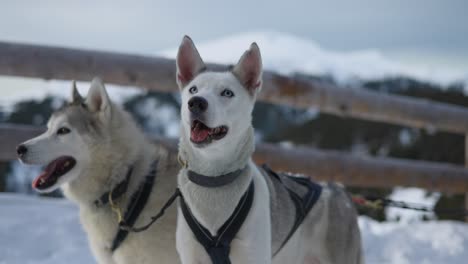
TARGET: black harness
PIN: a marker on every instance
(135, 206)
(115, 193)
(303, 203)
(218, 247)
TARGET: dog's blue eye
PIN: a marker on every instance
(63, 131)
(193, 90)
(227, 93)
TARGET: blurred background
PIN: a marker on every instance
(415, 48)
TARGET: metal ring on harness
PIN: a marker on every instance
(115, 208)
(181, 162)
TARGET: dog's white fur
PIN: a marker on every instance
(329, 234)
(213, 206)
(105, 142)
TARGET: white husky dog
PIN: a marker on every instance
(217, 141)
(94, 149)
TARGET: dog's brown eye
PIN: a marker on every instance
(63, 131)
(193, 90)
(227, 93)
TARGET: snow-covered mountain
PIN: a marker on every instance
(281, 52)
(287, 54)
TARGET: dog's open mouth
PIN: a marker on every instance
(201, 133)
(53, 171)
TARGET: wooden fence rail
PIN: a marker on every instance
(158, 74)
(319, 164)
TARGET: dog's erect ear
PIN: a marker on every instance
(97, 99)
(249, 69)
(189, 63)
(75, 96)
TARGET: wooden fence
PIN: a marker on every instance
(158, 74)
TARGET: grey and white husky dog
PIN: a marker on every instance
(90, 146)
(217, 139)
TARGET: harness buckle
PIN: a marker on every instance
(184, 164)
(115, 208)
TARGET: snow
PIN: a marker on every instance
(419, 242)
(285, 53)
(40, 231)
(37, 230)
(419, 197)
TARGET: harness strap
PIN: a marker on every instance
(116, 192)
(219, 246)
(161, 212)
(211, 181)
(303, 204)
(135, 207)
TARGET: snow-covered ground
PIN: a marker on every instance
(433, 242)
(40, 231)
(46, 231)
(414, 196)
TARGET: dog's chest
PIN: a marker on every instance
(100, 225)
(212, 206)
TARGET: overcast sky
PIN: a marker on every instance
(413, 31)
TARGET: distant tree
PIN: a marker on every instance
(34, 112)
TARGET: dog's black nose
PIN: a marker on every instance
(21, 150)
(197, 105)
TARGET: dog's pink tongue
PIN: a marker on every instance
(44, 175)
(199, 134)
